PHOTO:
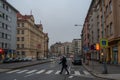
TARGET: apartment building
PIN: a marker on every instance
(31, 40)
(8, 25)
(105, 25)
(76, 46)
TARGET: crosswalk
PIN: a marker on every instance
(47, 72)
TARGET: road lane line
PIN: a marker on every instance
(57, 72)
(48, 72)
(41, 71)
(77, 73)
(22, 71)
(86, 73)
(31, 71)
(13, 71)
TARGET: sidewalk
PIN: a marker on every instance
(9, 66)
(97, 68)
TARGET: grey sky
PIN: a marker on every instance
(57, 16)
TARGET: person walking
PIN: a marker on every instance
(64, 64)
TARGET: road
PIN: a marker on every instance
(48, 71)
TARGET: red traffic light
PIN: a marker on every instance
(1, 51)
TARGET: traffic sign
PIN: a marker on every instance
(104, 43)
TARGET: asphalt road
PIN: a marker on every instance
(48, 71)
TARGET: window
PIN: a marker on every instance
(9, 10)
(110, 6)
(9, 18)
(107, 10)
(6, 36)
(0, 24)
(22, 24)
(1, 14)
(5, 45)
(9, 28)
(2, 35)
(9, 37)
(3, 25)
(2, 45)
(22, 39)
(111, 28)
(22, 45)
(6, 17)
(18, 24)
(18, 39)
(18, 31)
(4, 6)
(22, 31)
(18, 46)
(0, 4)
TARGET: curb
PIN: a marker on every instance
(94, 74)
(26, 66)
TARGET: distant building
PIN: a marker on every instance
(31, 40)
(76, 46)
(8, 25)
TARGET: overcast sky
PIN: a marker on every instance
(57, 16)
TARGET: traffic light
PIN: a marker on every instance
(97, 46)
(1, 51)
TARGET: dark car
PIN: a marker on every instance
(77, 61)
(7, 60)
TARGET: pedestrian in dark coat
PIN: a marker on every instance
(64, 65)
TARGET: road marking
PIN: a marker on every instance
(41, 71)
(86, 73)
(29, 75)
(31, 71)
(57, 72)
(22, 71)
(77, 73)
(70, 77)
(48, 72)
(13, 71)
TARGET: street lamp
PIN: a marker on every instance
(78, 25)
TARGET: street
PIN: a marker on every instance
(48, 71)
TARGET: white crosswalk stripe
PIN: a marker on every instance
(41, 71)
(86, 73)
(22, 71)
(13, 71)
(31, 71)
(48, 72)
(57, 72)
(77, 73)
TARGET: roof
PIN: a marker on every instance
(24, 17)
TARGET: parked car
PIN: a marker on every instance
(7, 60)
(77, 61)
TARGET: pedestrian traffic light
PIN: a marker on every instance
(97, 46)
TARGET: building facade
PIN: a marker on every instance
(31, 40)
(103, 18)
(8, 25)
(76, 46)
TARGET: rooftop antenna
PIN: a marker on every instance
(31, 12)
(40, 21)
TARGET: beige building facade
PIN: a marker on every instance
(31, 40)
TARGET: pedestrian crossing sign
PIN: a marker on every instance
(104, 43)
